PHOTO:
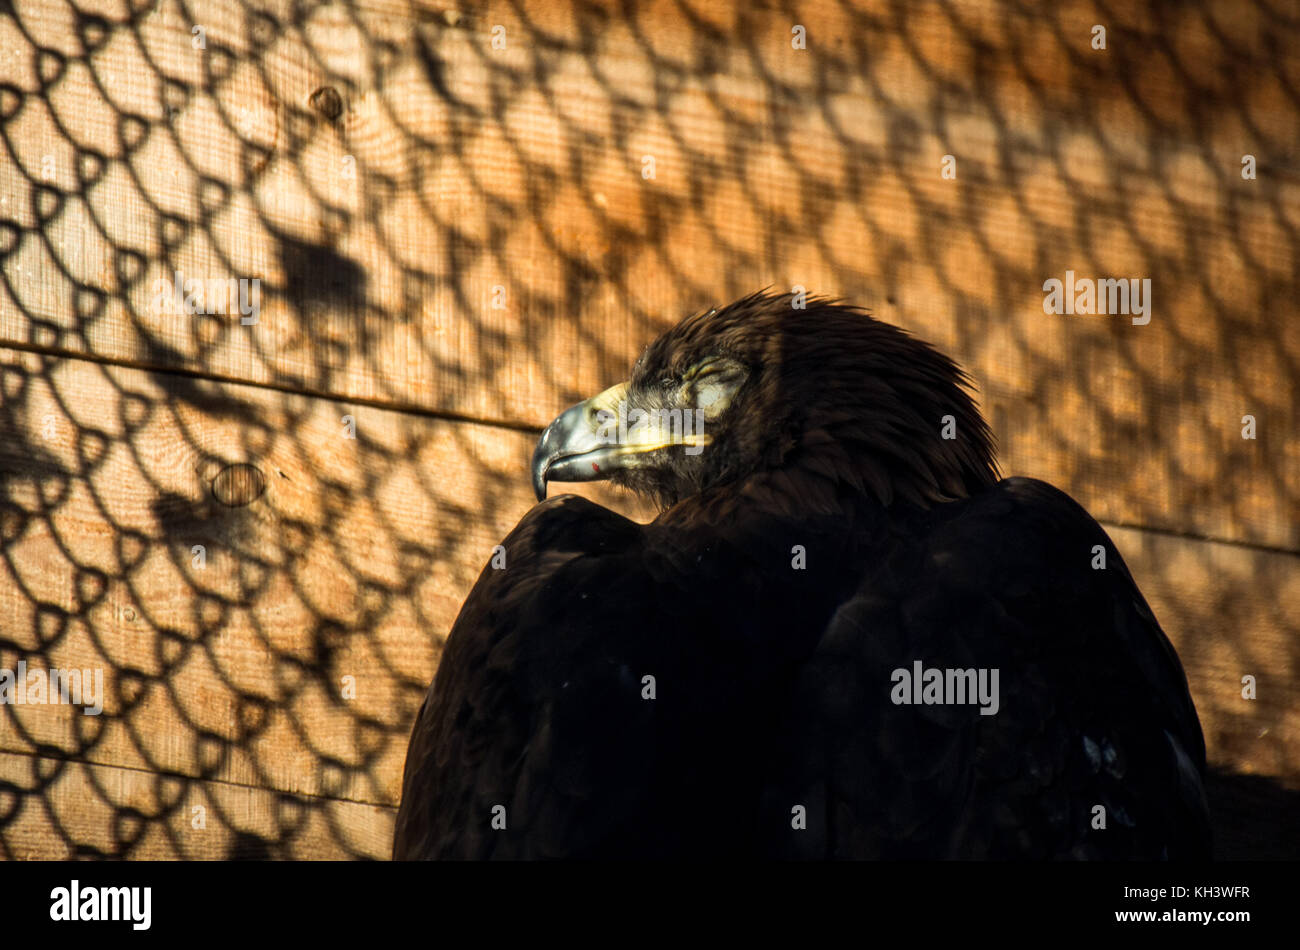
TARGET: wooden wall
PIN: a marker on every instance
(453, 219)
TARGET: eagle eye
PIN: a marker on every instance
(714, 384)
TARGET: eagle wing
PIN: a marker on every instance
(1095, 749)
(487, 759)
(611, 690)
(690, 688)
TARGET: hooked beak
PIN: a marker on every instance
(594, 439)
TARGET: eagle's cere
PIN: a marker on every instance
(843, 636)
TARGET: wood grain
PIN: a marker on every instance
(352, 561)
(53, 809)
(382, 233)
(1231, 612)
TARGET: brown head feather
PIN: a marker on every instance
(833, 399)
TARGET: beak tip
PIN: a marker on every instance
(541, 462)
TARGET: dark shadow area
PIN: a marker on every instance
(1255, 817)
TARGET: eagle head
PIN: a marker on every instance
(811, 397)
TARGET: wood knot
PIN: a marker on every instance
(238, 485)
(327, 101)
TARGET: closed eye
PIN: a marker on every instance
(715, 383)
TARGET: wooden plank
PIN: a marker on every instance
(1231, 612)
(53, 809)
(352, 562)
(522, 168)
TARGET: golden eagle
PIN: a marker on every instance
(842, 637)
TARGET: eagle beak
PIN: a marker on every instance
(596, 438)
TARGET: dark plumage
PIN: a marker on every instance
(773, 730)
